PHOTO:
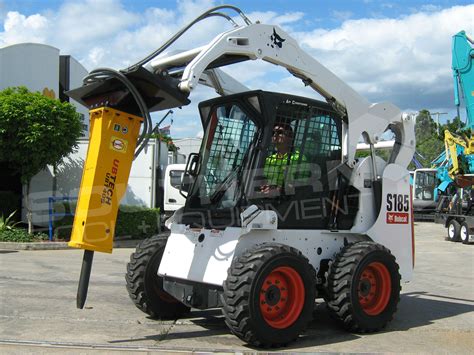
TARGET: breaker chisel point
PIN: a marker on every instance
(84, 278)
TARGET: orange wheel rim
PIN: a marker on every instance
(374, 288)
(282, 297)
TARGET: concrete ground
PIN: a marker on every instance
(38, 313)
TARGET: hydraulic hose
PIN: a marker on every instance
(102, 74)
(173, 39)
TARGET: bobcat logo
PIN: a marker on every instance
(277, 40)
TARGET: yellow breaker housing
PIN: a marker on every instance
(113, 139)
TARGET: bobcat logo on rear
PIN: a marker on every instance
(397, 207)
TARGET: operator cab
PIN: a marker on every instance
(277, 151)
(425, 192)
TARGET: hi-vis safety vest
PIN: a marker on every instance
(280, 169)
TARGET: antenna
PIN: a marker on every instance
(437, 119)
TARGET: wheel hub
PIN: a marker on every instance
(282, 297)
(374, 288)
(272, 295)
(451, 231)
(364, 287)
(464, 233)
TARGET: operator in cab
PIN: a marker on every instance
(285, 165)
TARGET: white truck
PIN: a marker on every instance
(173, 199)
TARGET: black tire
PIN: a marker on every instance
(464, 233)
(363, 287)
(269, 317)
(144, 285)
(453, 231)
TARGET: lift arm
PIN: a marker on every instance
(272, 44)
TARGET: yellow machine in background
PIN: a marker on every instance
(109, 159)
(460, 174)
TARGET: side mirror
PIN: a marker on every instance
(192, 166)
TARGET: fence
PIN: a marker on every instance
(53, 213)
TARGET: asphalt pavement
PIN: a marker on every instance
(38, 309)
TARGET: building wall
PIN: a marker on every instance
(188, 145)
(35, 66)
(77, 72)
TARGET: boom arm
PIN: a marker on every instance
(272, 44)
(460, 149)
(463, 73)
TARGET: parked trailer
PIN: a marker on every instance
(456, 214)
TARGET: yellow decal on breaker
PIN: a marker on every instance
(109, 183)
(105, 177)
(118, 144)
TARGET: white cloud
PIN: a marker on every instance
(187, 121)
(96, 55)
(92, 20)
(20, 28)
(404, 60)
(275, 18)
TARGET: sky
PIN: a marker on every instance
(396, 51)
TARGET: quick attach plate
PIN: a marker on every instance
(158, 92)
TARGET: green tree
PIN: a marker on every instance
(35, 131)
(455, 126)
(428, 143)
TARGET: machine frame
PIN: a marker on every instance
(247, 267)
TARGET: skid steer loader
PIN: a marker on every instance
(279, 211)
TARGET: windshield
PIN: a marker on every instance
(228, 137)
(425, 184)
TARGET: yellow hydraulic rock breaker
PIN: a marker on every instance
(113, 139)
(104, 181)
(112, 147)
